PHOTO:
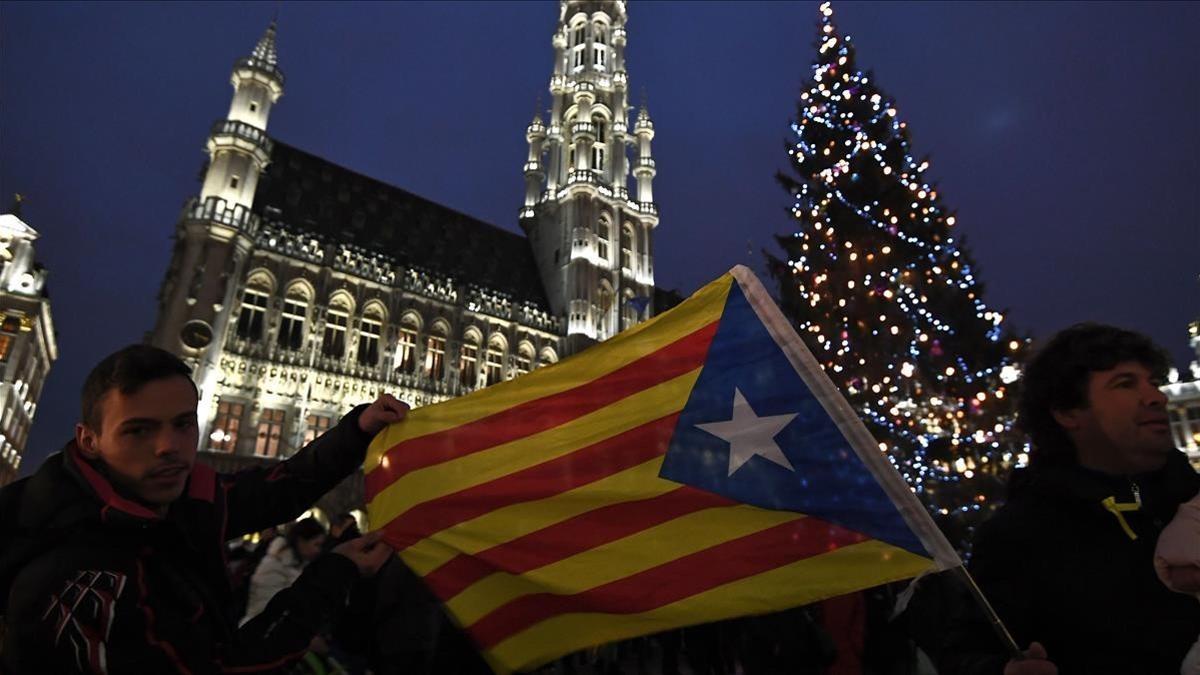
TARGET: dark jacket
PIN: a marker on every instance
(95, 582)
(1060, 568)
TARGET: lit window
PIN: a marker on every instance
(494, 363)
(468, 361)
(627, 247)
(250, 318)
(314, 426)
(270, 433)
(291, 324)
(602, 235)
(435, 357)
(524, 360)
(368, 339)
(225, 427)
(333, 344)
(406, 347)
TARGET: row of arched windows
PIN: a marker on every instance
(416, 352)
(628, 240)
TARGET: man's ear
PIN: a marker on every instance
(1067, 419)
(85, 438)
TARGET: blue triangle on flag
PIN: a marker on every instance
(826, 480)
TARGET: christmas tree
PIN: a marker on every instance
(888, 298)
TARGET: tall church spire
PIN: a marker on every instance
(238, 146)
(591, 237)
(215, 234)
(264, 51)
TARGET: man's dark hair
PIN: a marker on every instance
(1056, 378)
(127, 371)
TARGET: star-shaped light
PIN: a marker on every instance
(749, 435)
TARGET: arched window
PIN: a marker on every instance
(547, 357)
(599, 56)
(524, 359)
(369, 329)
(468, 360)
(603, 233)
(406, 344)
(578, 44)
(599, 147)
(627, 246)
(494, 361)
(253, 312)
(435, 351)
(291, 320)
(604, 302)
(337, 319)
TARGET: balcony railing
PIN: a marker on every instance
(644, 163)
(535, 166)
(584, 176)
(583, 128)
(648, 207)
(220, 211)
(258, 64)
(247, 132)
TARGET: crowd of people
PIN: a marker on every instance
(114, 554)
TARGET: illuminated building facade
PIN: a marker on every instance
(298, 288)
(28, 345)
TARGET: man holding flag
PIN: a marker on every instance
(697, 467)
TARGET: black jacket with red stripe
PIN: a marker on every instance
(94, 582)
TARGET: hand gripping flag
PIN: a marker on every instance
(696, 467)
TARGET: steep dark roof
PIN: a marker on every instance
(311, 194)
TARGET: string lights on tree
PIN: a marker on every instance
(889, 299)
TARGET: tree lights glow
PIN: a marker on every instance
(888, 300)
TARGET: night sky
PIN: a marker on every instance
(1065, 135)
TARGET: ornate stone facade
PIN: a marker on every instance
(298, 288)
(1183, 401)
(28, 344)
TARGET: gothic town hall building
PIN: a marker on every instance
(298, 288)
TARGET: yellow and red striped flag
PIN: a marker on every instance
(696, 467)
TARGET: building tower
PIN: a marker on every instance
(216, 230)
(1183, 400)
(591, 240)
(28, 345)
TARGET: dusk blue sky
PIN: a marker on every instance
(1064, 135)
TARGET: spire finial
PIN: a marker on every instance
(264, 51)
(537, 109)
(18, 200)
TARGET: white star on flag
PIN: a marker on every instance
(749, 435)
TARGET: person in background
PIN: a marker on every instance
(1067, 562)
(283, 563)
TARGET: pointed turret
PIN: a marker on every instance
(591, 241)
(643, 168)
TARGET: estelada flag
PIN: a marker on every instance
(696, 467)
